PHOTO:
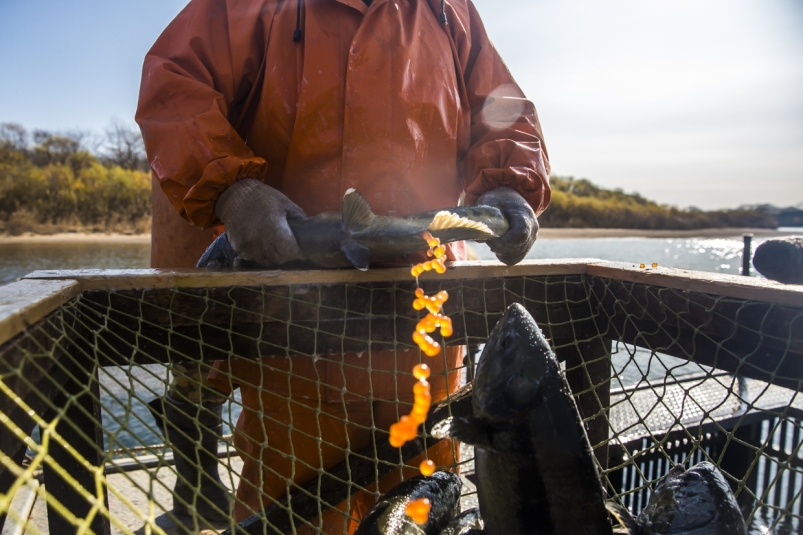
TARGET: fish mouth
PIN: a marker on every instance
(516, 313)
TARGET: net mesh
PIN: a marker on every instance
(316, 373)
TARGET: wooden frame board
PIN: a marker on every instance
(41, 292)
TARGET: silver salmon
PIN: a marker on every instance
(356, 236)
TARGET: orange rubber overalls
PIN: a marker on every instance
(413, 113)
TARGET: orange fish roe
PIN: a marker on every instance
(406, 429)
(427, 468)
(421, 371)
(418, 510)
(436, 250)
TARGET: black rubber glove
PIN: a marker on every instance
(513, 246)
(256, 218)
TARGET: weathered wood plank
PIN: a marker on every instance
(26, 302)
(209, 324)
(714, 283)
(748, 288)
(131, 279)
(324, 339)
(756, 340)
(331, 302)
(726, 318)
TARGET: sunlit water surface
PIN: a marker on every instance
(19, 259)
(723, 255)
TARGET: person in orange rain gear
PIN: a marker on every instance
(257, 111)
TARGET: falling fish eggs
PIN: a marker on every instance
(421, 371)
(427, 468)
(406, 428)
(418, 510)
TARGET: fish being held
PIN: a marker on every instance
(536, 473)
(356, 237)
(388, 516)
(697, 501)
(466, 523)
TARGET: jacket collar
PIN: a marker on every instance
(359, 5)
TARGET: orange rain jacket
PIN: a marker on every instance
(383, 99)
(412, 113)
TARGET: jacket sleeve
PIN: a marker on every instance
(506, 146)
(202, 65)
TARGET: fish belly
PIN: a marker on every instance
(511, 495)
(567, 465)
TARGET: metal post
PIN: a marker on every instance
(747, 254)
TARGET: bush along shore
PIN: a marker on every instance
(577, 203)
(53, 183)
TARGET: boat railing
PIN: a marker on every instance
(667, 366)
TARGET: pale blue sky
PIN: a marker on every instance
(689, 102)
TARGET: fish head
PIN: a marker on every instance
(687, 501)
(513, 362)
(220, 254)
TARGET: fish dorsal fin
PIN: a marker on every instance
(445, 220)
(357, 213)
(623, 516)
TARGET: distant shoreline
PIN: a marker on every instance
(589, 233)
(75, 237)
(543, 234)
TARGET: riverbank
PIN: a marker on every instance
(75, 237)
(543, 234)
(709, 233)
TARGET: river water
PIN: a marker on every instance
(722, 255)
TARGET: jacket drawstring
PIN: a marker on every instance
(297, 34)
(443, 11)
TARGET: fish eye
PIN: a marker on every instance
(508, 340)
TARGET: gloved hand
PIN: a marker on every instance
(514, 245)
(256, 218)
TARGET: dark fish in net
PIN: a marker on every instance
(697, 501)
(536, 472)
(389, 517)
(781, 259)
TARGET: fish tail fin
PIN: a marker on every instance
(445, 220)
(623, 516)
(357, 213)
